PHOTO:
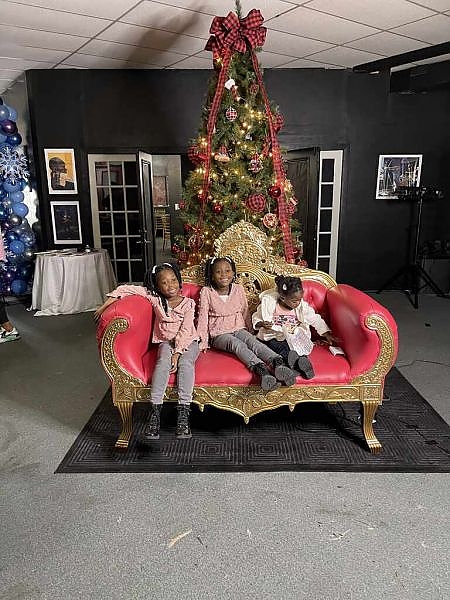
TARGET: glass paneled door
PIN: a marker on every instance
(116, 212)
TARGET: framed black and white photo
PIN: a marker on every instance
(66, 222)
(61, 173)
(397, 171)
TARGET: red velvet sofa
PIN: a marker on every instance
(366, 329)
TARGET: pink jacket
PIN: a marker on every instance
(2, 248)
(177, 326)
(216, 316)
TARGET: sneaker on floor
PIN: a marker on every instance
(9, 336)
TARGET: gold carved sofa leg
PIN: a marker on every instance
(125, 409)
(369, 410)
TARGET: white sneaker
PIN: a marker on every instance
(9, 336)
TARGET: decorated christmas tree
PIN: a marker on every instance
(18, 238)
(239, 172)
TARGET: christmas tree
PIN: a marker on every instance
(18, 238)
(239, 172)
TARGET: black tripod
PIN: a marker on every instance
(413, 272)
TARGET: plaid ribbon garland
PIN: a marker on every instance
(277, 167)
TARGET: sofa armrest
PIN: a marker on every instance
(367, 330)
(129, 344)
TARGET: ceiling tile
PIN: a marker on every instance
(130, 53)
(152, 38)
(107, 9)
(270, 60)
(100, 62)
(192, 62)
(439, 5)
(10, 73)
(40, 39)
(326, 28)
(268, 8)
(344, 57)
(303, 63)
(377, 13)
(49, 20)
(434, 30)
(161, 16)
(22, 63)
(293, 45)
(29, 53)
(387, 44)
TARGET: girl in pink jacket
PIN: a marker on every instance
(174, 331)
(224, 323)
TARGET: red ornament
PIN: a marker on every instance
(182, 205)
(270, 220)
(256, 203)
(195, 155)
(290, 208)
(217, 208)
(175, 248)
(187, 227)
(275, 191)
(195, 242)
(231, 113)
(183, 256)
(254, 89)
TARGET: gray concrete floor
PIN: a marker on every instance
(314, 536)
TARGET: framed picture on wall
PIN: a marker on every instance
(397, 171)
(66, 222)
(61, 173)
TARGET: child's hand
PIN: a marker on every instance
(101, 309)
(174, 362)
(329, 338)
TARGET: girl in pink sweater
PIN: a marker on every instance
(177, 337)
(224, 323)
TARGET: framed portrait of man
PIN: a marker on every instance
(66, 222)
(61, 173)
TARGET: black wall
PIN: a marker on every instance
(97, 111)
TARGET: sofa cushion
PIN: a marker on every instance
(215, 368)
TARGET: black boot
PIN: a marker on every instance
(282, 372)
(268, 381)
(183, 428)
(292, 359)
(305, 367)
(151, 431)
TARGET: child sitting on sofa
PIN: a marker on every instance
(175, 333)
(224, 323)
(283, 310)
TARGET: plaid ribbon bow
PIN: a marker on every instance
(234, 34)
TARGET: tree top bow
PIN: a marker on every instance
(236, 35)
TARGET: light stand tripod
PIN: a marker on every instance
(413, 272)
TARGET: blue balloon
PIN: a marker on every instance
(4, 112)
(12, 112)
(10, 186)
(14, 140)
(18, 286)
(10, 236)
(19, 208)
(28, 239)
(3, 213)
(17, 196)
(25, 271)
(17, 246)
(23, 184)
(2, 192)
(3, 137)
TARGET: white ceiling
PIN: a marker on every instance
(171, 34)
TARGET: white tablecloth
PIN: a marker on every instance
(66, 284)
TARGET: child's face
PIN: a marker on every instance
(292, 301)
(167, 283)
(222, 274)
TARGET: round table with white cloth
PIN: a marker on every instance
(72, 282)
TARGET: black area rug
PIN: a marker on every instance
(315, 437)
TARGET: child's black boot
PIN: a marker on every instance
(268, 381)
(183, 428)
(282, 372)
(151, 431)
(305, 367)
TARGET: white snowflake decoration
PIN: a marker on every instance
(13, 166)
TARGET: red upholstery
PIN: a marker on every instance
(344, 307)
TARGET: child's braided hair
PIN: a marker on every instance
(151, 275)
(209, 265)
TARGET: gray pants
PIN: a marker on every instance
(185, 373)
(245, 346)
